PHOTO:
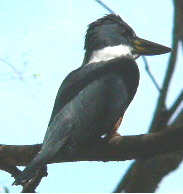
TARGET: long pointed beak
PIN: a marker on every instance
(145, 47)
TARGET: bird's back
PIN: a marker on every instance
(95, 110)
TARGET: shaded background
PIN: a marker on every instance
(40, 43)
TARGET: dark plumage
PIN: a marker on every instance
(93, 97)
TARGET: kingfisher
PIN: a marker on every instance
(92, 99)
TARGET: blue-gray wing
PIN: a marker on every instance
(89, 103)
(82, 76)
(92, 98)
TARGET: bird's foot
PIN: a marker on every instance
(114, 132)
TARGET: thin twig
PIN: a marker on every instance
(18, 73)
(176, 103)
(150, 74)
(162, 98)
(105, 6)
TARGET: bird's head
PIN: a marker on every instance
(111, 37)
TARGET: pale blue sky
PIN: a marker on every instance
(49, 37)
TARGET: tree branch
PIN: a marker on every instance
(136, 178)
(31, 186)
(118, 148)
(13, 170)
(144, 176)
(160, 119)
(176, 104)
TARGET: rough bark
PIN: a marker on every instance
(118, 148)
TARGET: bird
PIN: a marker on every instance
(92, 99)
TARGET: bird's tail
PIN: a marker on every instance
(42, 158)
(31, 170)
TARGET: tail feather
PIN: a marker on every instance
(30, 171)
(42, 158)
